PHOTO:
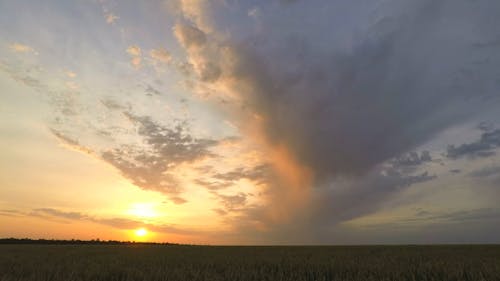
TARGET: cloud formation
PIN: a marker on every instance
(484, 147)
(148, 166)
(342, 95)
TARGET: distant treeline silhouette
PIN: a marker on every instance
(75, 242)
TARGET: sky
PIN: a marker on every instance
(251, 122)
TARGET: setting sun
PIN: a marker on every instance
(141, 232)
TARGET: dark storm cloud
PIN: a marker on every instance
(344, 111)
(322, 216)
(363, 196)
(484, 147)
(350, 91)
(485, 126)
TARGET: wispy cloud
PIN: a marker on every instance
(484, 147)
(21, 48)
(115, 222)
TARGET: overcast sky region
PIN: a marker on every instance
(251, 122)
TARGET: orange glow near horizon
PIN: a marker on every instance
(141, 232)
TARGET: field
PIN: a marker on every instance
(171, 262)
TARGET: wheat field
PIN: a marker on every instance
(177, 263)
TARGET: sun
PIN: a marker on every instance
(141, 232)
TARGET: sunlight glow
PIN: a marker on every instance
(143, 210)
(141, 232)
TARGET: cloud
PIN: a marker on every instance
(344, 111)
(60, 214)
(485, 172)
(484, 147)
(148, 166)
(178, 200)
(161, 55)
(111, 104)
(213, 185)
(469, 215)
(457, 226)
(11, 213)
(70, 74)
(70, 142)
(21, 48)
(257, 174)
(152, 91)
(189, 36)
(412, 159)
(120, 223)
(461, 216)
(136, 56)
(387, 78)
(151, 161)
(354, 198)
(111, 18)
(232, 202)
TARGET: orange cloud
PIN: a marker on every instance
(111, 18)
(161, 55)
(134, 51)
(136, 56)
(21, 48)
